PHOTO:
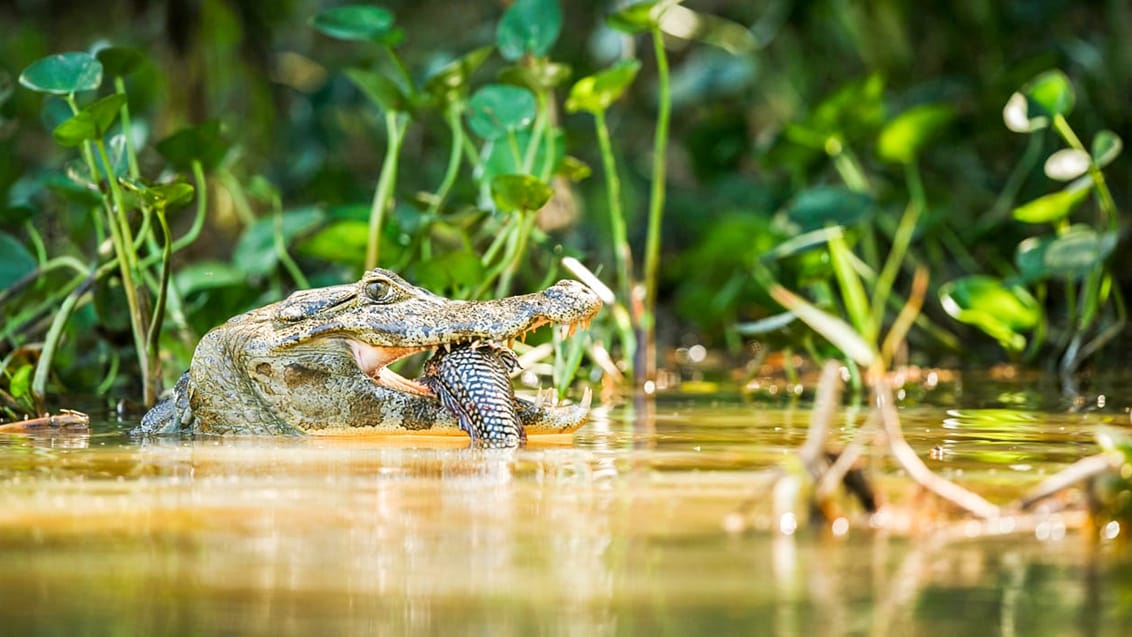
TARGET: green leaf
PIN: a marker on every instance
(638, 17)
(120, 61)
(20, 384)
(207, 275)
(450, 82)
(75, 131)
(1049, 94)
(203, 142)
(15, 260)
(1106, 147)
(529, 27)
(595, 93)
(538, 75)
(63, 73)
(852, 290)
(498, 109)
(382, 90)
(996, 308)
(173, 194)
(1071, 255)
(1054, 206)
(832, 328)
(342, 241)
(499, 158)
(820, 206)
(450, 271)
(573, 169)
(520, 192)
(903, 138)
(255, 252)
(1066, 164)
(103, 112)
(1018, 118)
(359, 23)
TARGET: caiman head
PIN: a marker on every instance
(318, 361)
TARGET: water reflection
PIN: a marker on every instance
(619, 533)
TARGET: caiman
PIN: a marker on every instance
(318, 362)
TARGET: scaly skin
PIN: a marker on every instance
(474, 383)
(316, 361)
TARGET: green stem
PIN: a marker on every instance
(396, 125)
(621, 252)
(281, 249)
(131, 155)
(901, 239)
(1104, 196)
(656, 205)
(452, 117)
(537, 133)
(154, 334)
(518, 249)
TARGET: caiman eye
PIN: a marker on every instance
(382, 291)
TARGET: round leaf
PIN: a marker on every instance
(498, 109)
(1049, 94)
(829, 205)
(998, 309)
(1017, 117)
(902, 139)
(358, 22)
(1106, 147)
(1066, 164)
(519, 192)
(1054, 206)
(15, 260)
(529, 27)
(1075, 253)
(597, 92)
(63, 73)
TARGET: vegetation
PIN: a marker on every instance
(160, 180)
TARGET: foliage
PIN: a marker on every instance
(805, 144)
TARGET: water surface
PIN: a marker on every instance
(620, 531)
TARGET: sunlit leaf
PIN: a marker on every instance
(15, 260)
(1000, 310)
(520, 192)
(1054, 206)
(529, 27)
(75, 131)
(1106, 147)
(63, 73)
(1049, 94)
(1066, 164)
(829, 205)
(20, 384)
(832, 328)
(539, 75)
(573, 169)
(382, 90)
(358, 22)
(849, 283)
(174, 194)
(497, 109)
(903, 138)
(1018, 118)
(638, 17)
(597, 92)
(342, 241)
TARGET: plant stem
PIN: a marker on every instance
(518, 249)
(452, 117)
(621, 252)
(124, 114)
(656, 207)
(901, 239)
(395, 124)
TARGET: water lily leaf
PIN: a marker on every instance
(498, 109)
(1067, 163)
(820, 206)
(359, 23)
(999, 309)
(1106, 147)
(529, 27)
(902, 139)
(203, 142)
(1056, 205)
(63, 73)
(520, 192)
(450, 82)
(119, 61)
(16, 261)
(597, 92)
(1049, 94)
(382, 90)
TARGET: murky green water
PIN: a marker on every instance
(619, 533)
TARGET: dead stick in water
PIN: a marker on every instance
(1079, 471)
(916, 468)
(66, 419)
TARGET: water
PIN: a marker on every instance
(619, 532)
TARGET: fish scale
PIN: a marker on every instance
(473, 381)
